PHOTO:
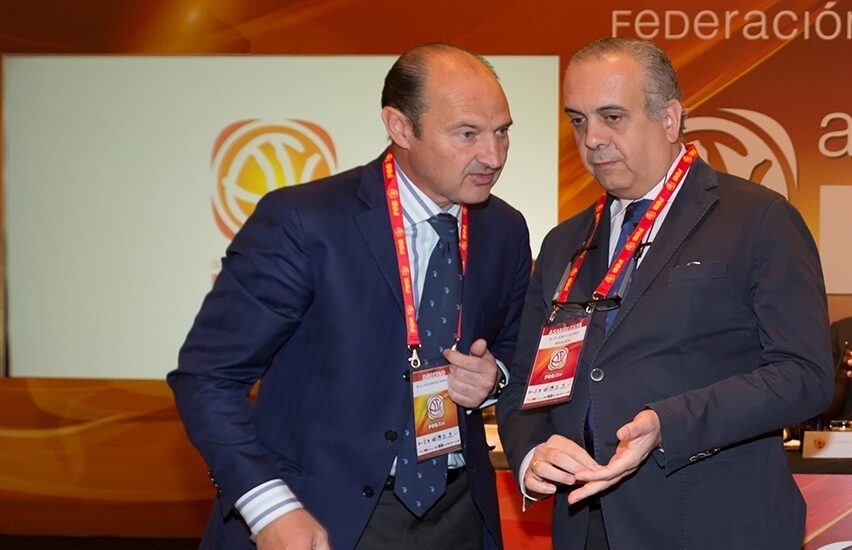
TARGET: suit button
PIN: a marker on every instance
(390, 435)
(367, 492)
(406, 375)
(596, 375)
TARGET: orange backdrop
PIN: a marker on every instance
(110, 457)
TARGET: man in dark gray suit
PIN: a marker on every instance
(667, 432)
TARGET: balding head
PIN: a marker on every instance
(406, 81)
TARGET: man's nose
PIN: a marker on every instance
(493, 151)
(596, 135)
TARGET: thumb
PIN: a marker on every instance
(623, 433)
(479, 348)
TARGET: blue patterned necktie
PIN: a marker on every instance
(420, 485)
(632, 215)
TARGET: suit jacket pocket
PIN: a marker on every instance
(697, 270)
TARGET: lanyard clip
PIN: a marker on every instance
(590, 305)
(554, 310)
(414, 360)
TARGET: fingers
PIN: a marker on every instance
(547, 475)
(645, 425)
(560, 461)
(472, 377)
(587, 490)
(467, 396)
(637, 439)
(296, 530)
(555, 463)
(594, 481)
(478, 361)
(536, 485)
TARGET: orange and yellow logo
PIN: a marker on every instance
(748, 144)
(253, 157)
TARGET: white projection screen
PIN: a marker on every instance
(112, 163)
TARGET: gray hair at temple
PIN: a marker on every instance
(404, 83)
(661, 85)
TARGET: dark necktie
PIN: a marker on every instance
(420, 485)
(632, 215)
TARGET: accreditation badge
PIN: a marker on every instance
(552, 373)
(436, 419)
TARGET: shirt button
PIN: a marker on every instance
(596, 375)
(367, 492)
(406, 376)
(390, 435)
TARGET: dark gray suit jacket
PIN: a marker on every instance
(724, 334)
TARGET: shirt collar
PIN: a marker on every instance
(416, 205)
(620, 204)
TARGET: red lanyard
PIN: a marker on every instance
(402, 257)
(635, 238)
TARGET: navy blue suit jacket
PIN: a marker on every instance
(309, 301)
(724, 334)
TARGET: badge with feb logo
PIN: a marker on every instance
(436, 420)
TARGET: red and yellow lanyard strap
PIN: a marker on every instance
(395, 212)
(642, 229)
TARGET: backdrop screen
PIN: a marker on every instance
(126, 176)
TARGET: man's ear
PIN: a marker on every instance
(397, 126)
(671, 120)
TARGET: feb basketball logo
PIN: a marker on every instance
(252, 157)
(748, 144)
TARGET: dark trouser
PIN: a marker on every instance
(453, 522)
(596, 536)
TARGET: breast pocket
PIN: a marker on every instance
(697, 271)
(702, 302)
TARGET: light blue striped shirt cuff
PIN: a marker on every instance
(265, 503)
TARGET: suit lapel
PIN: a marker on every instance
(478, 247)
(599, 257)
(594, 266)
(376, 229)
(588, 280)
(690, 206)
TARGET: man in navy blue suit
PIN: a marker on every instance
(318, 299)
(700, 333)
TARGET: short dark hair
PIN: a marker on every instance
(660, 86)
(404, 83)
